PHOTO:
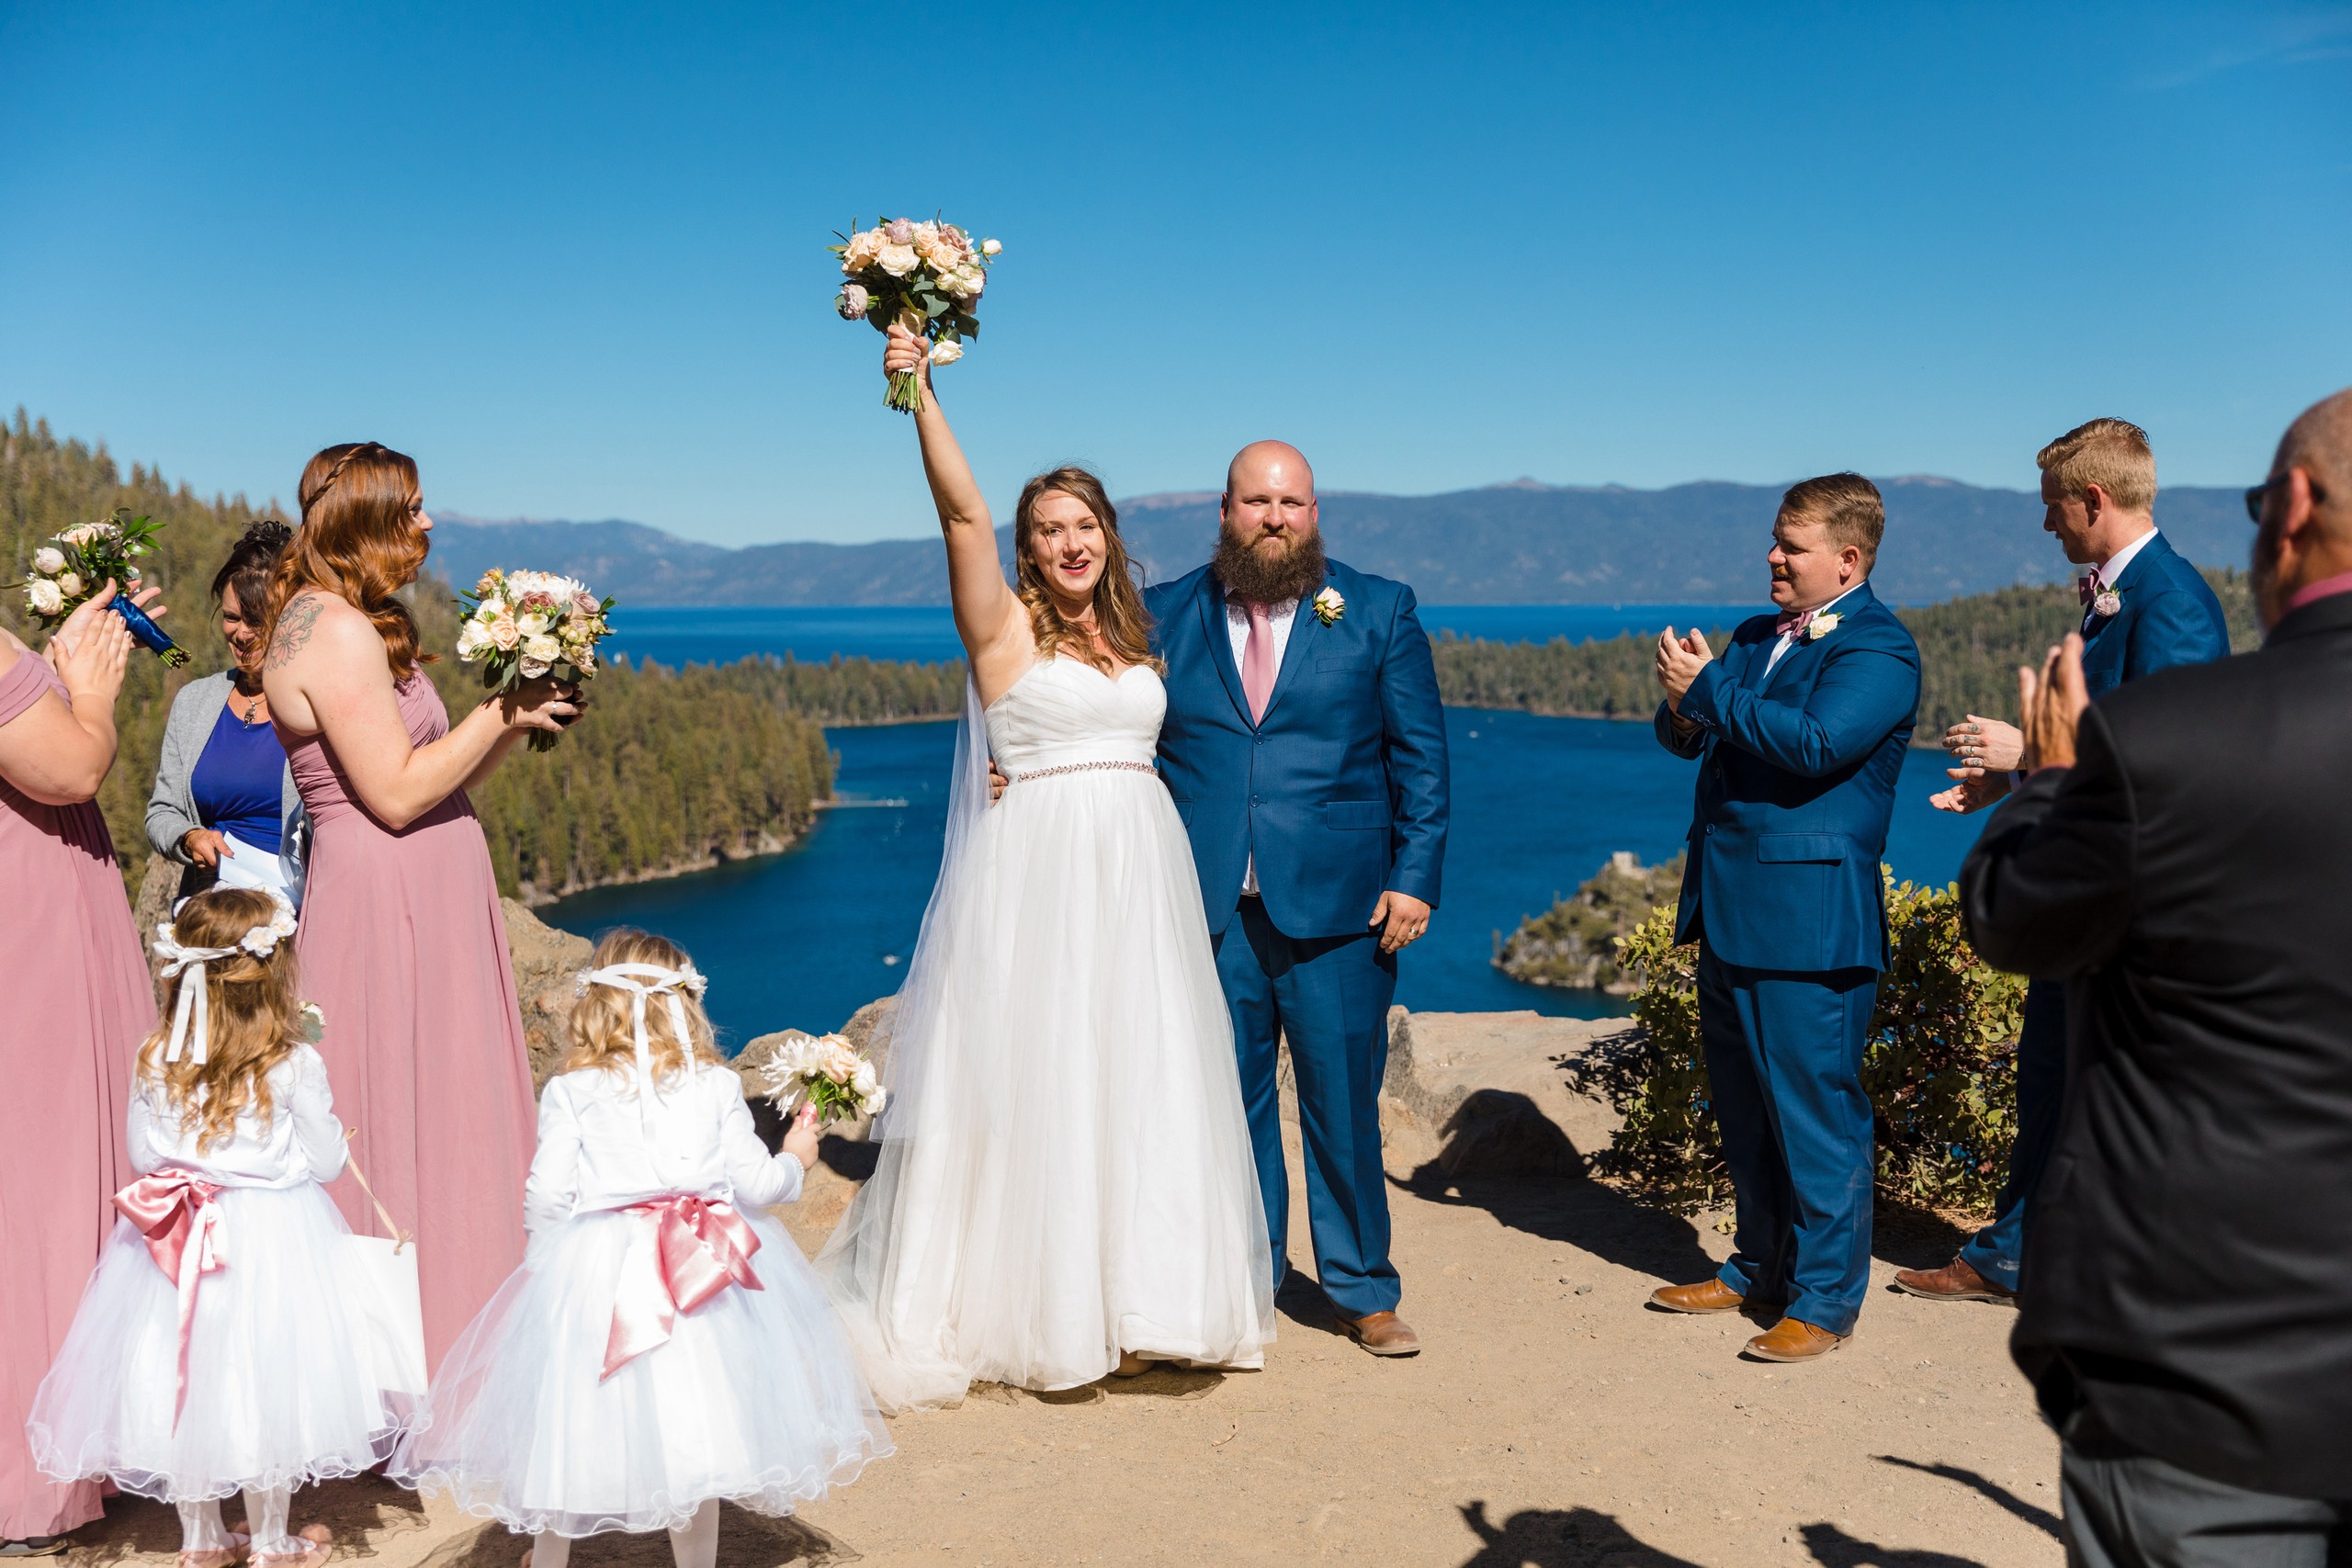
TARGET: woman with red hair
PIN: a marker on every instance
(401, 940)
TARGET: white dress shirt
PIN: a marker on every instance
(302, 1141)
(696, 1137)
(1282, 617)
(1789, 639)
(2112, 567)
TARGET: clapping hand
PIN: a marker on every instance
(1985, 750)
(1679, 660)
(2052, 704)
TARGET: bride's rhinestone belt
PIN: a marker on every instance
(1084, 768)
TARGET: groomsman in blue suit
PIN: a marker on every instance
(1304, 748)
(2144, 608)
(1799, 732)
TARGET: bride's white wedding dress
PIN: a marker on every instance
(1065, 1172)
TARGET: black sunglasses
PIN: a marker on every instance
(2257, 494)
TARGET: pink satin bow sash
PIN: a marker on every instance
(176, 1213)
(696, 1248)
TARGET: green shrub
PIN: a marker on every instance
(1940, 1066)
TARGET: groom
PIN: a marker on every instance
(1799, 732)
(1304, 748)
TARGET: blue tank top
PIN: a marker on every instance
(239, 782)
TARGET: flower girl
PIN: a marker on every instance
(224, 1341)
(664, 1345)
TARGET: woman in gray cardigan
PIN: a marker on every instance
(224, 804)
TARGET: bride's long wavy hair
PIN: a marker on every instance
(1119, 613)
(358, 543)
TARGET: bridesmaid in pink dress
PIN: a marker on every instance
(79, 1003)
(401, 943)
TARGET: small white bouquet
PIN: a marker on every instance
(826, 1072)
(523, 625)
(927, 278)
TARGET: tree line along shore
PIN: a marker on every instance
(675, 769)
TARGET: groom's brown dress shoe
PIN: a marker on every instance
(1708, 1295)
(1955, 1282)
(1383, 1334)
(1792, 1340)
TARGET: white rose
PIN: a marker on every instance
(43, 599)
(49, 560)
(898, 260)
(532, 669)
(533, 625)
(946, 351)
(541, 649)
(81, 534)
(990, 247)
(874, 1101)
(472, 641)
(70, 584)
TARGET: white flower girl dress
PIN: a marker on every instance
(272, 1387)
(566, 1408)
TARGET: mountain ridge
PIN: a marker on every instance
(1518, 542)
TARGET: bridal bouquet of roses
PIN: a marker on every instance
(76, 564)
(523, 625)
(926, 278)
(826, 1072)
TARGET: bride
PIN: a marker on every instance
(1065, 1187)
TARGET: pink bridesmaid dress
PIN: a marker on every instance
(403, 949)
(79, 1003)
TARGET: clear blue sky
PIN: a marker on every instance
(570, 256)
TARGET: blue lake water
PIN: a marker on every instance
(805, 938)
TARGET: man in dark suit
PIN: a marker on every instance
(2144, 609)
(2179, 858)
(1304, 747)
(1799, 731)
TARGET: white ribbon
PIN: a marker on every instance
(641, 981)
(188, 962)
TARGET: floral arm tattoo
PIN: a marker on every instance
(293, 634)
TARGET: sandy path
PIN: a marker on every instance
(1553, 1421)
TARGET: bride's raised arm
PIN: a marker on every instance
(993, 623)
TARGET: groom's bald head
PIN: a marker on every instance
(1265, 466)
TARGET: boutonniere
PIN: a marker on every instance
(2108, 603)
(1821, 627)
(1329, 606)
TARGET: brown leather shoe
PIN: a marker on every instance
(1791, 1339)
(1957, 1281)
(1383, 1334)
(1708, 1295)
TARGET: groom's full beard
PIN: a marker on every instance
(1255, 574)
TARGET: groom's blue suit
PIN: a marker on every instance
(1798, 764)
(1340, 794)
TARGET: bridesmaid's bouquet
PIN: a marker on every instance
(523, 625)
(74, 565)
(926, 276)
(826, 1071)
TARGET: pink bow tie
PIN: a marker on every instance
(1796, 623)
(696, 1249)
(176, 1214)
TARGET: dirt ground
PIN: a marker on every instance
(1552, 1421)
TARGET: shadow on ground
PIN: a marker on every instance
(745, 1541)
(362, 1512)
(1560, 1538)
(1490, 1145)
(1991, 1490)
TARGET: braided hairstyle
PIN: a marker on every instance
(359, 542)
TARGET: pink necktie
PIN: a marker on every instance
(1258, 661)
